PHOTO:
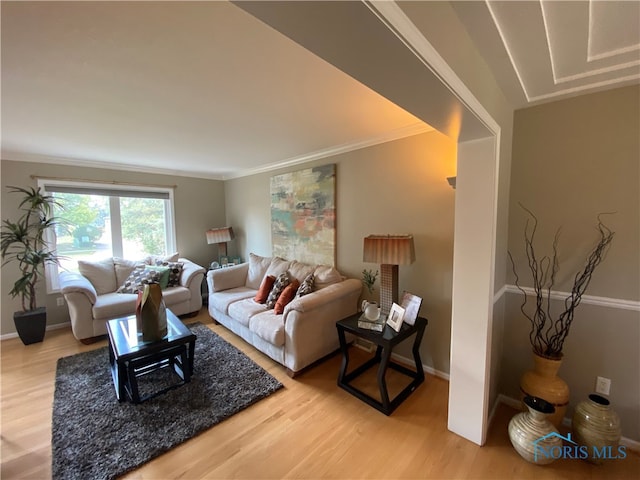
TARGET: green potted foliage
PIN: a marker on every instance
(23, 241)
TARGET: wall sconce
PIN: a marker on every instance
(452, 182)
(220, 236)
(389, 251)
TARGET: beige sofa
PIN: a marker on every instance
(305, 331)
(93, 299)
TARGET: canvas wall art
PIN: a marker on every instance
(303, 215)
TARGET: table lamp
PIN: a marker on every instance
(220, 236)
(389, 251)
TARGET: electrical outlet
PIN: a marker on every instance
(60, 301)
(603, 385)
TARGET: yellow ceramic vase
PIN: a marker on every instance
(543, 382)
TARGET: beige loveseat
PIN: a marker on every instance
(306, 329)
(93, 298)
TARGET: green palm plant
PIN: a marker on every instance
(23, 241)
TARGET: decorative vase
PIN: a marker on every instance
(371, 310)
(543, 382)
(151, 313)
(532, 435)
(597, 426)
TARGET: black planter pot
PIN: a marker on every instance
(31, 325)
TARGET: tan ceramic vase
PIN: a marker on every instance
(543, 382)
(151, 313)
(597, 426)
(532, 435)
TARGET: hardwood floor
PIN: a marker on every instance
(309, 429)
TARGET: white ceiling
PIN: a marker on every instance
(205, 89)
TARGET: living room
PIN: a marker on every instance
(570, 160)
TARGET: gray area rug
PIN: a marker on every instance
(96, 437)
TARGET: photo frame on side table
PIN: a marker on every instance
(396, 317)
(411, 305)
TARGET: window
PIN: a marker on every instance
(106, 220)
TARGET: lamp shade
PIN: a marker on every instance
(219, 235)
(389, 249)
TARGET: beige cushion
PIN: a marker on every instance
(326, 275)
(113, 305)
(278, 265)
(257, 269)
(299, 270)
(154, 259)
(101, 274)
(269, 327)
(243, 310)
(221, 300)
(124, 268)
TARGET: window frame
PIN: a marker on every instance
(109, 188)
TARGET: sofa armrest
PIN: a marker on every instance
(328, 294)
(226, 278)
(72, 282)
(190, 271)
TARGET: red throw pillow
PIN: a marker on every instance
(286, 296)
(265, 288)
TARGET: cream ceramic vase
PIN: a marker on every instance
(371, 310)
(596, 426)
(543, 382)
(532, 435)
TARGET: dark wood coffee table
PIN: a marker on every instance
(131, 358)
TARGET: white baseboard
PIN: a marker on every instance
(566, 421)
(55, 326)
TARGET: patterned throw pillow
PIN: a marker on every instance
(306, 286)
(175, 271)
(279, 285)
(138, 279)
(164, 274)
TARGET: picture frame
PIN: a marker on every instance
(411, 304)
(396, 317)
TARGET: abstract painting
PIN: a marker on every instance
(303, 215)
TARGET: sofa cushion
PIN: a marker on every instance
(243, 310)
(113, 305)
(101, 274)
(286, 296)
(307, 285)
(124, 268)
(278, 265)
(326, 275)
(154, 259)
(299, 270)
(279, 285)
(175, 271)
(269, 327)
(175, 295)
(257, 270)
(140, 277)
(265, 288)
(221, 300)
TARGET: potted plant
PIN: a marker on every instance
(23, 241)
(550, 329)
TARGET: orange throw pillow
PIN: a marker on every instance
(265, 288)
(286, 296)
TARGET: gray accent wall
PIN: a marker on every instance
(572, 160)
(392, 188)
(198, 203)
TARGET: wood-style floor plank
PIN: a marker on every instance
(309, 429)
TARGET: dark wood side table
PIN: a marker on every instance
(384, 341)
(130, 357)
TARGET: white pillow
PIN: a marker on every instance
(257, 269)
(326, 275)
(153, 259)
(124, 268)
(278, 265)
(101, 274)
(299, 270)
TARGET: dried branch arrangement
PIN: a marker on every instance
(547, 334)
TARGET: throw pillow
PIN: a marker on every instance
(265, 288)
(164, 273)
(175, 271)
(306, 287)
(326, 275)
(154, 259)
(278, 286)
(257, 270)
(101, 274)
(124, 268)
(286, 296)
(138, 279)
